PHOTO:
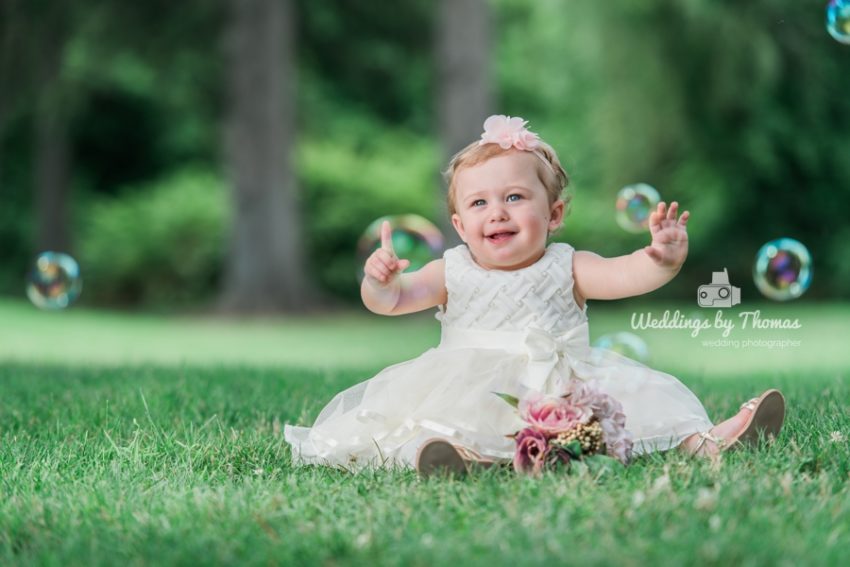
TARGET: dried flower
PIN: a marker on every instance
(589, 436)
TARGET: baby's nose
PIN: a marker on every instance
(498, 212)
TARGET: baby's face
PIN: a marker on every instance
(503, 213)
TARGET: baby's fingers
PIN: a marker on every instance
(377, 271)
(383, 266)
(655, 218)
(387, 237)
(379, 263)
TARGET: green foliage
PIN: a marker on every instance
(737, 111)
(351, 177)
(111, 156)
(512, 400)
(16, 216)
(368, 61)
(162, 244)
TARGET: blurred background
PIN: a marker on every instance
(227, 155)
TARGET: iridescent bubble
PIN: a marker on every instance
(626, 344)
(838, 20)
(783, 269)
(415, 238)
(54, 281)
(634, 205)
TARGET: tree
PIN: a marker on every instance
(265, 267)
(52, 149)
(33, 36)
(464, 86)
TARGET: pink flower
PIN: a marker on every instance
(553, 414)
(532, 448)
(567, 417)
(507, 131)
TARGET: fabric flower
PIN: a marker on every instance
(618, 441)
(588, 394)
(507, 131)
(552, 414)
(532, 448)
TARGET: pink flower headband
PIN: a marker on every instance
(507, 131)
(510, 131)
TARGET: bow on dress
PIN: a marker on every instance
(545, 350)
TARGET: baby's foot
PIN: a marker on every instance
(762, 416)
(439, 456)
(728, 429)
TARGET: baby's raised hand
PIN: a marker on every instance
(383, 265)
(669, 246)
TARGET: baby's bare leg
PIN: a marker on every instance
(724, 430)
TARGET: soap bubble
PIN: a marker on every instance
(626, 344)
(414, 238)
(783, 269)
(54, 281)
(838, 20)
(634, 205)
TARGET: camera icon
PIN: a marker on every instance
(719, 293)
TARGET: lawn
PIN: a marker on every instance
(127, 440)
(361, 340)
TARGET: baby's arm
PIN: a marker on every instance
(641, 271)
(386, 291)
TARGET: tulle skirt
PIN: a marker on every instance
(449, 390)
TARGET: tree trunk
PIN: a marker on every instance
(2, 128)
(265, 268)
(52, 152)
(464, 89)
(4, 79)
(52, 169)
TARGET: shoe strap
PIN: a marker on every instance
(706, 436)
(750, 405)
(468, 454)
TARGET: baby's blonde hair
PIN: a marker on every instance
(549, 169)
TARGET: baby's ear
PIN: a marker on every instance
(458, 224)
(556, 215)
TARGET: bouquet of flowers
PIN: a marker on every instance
(582, 427)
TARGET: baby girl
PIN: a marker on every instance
(500, 296)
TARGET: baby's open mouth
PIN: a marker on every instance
(499, 236)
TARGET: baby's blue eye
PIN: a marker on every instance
(511, 197)
(477, 202)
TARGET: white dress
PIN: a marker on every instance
(502, 331)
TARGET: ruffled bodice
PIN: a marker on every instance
(539, 296)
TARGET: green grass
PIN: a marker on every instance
(144, 465)
(115, 450)
(359, 339)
